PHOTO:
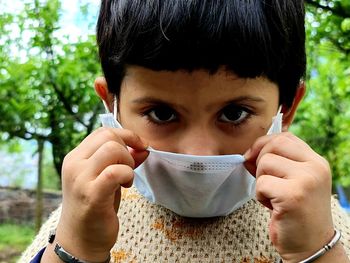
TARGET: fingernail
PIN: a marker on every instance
(145, 144)
(247, 154)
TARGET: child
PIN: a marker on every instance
(199, 82)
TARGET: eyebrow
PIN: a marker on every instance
(247, 98)
(151, 100)
(156, 100)
(240, 99)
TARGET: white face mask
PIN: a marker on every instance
(191, 185)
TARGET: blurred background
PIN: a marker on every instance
(48, 62)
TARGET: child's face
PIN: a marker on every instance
(197, 113)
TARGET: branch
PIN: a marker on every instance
(22, 135)
(96, 112)
(336, 11)
(66, 103)
(60, 94)
(50, 54)
(339, 46)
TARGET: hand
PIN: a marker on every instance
(294, 182)
(92, 176)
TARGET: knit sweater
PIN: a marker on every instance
(152, 233)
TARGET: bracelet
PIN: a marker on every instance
(66, 256)
(323, 250)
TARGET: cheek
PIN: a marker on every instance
(253, 135)
(159, 137)
(241, 141)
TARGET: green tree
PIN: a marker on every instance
(324, 117)
(47, 85)
(331, 21)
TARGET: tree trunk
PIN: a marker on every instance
(39, 187)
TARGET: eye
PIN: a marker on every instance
(234, 114)
(161, 115)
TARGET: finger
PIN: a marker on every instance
(253, 152)
(276, 165)
(108, 183)
(288, 146)
(94, 141)
(284, 144)
(269, 189)
(108, 154)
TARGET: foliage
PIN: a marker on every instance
(323, 119)
(14, 238)
(46, 80)
(15, 235)
(331, 22)
(12, 146)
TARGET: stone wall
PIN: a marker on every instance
(18, 205)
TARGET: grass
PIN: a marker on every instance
(14, 238)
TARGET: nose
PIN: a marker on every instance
(198, 141)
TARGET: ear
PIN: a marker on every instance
(289, 112)
(101, 89)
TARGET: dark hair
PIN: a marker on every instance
(248, 37)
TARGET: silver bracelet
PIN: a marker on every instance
(323, 250)
(66, 256)
(69, 258)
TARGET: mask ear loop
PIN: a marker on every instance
(276, 125)
(109, 119)
(279, 109)
(115, 108)
(115, 112)
(106, 106)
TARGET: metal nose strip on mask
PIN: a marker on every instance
(198, 163)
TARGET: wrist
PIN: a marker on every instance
(67, 257)
(68, 246)
(337, 254)
(328, 251)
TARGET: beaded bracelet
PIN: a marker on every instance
(324, 249)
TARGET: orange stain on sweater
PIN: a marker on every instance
(129, 195)
(122, 256)
(179, 228)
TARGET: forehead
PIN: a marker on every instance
(143, 81)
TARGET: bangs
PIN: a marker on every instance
(250, 38)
